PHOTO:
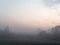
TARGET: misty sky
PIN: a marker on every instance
(30, 13)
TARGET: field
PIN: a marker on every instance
(23, 42)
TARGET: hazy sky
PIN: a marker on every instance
(30, 13)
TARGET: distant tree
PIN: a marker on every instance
(6, 33)
(56, 33)
(7, 29)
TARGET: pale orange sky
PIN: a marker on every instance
(33, 13)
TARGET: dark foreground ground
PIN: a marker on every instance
(26, 42)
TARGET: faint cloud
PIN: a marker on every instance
(51, 2)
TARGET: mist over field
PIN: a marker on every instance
(52, 34)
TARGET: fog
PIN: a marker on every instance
(37, 34)
(23, 34)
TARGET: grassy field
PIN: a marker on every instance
(23, 42)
